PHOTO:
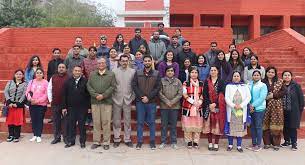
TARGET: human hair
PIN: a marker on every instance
(92, 47)
(56, 49)
(201, 55)
(243, 57)
(18, 70)
(30, 63)
(169, 67)
(287, 71)
(241, 79)
(188, 60)
(123, 56)
(74, 46)
(137, 29)
(275, 78)
(79, 37)
(165, 55)
(256, 71)
(146, 49)
(161, 23)
(231, 45)
(174, 36)
(213, 42)
(39, 69)
(186, 41)
(239, 60)
(77, 66)
(147, 56)
(125, 45)
(179, 29)
(190, 70)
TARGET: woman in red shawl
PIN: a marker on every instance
(214, 108)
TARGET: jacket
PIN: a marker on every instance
(53, 67)
(102, 51)
(211, 57)
(135, 43)
(157, 49)
(170, 93)
(14, 93)
(101, 84)
(204, 71)
(259, 93)
(249, 71)
(183, 55)
(39, 90)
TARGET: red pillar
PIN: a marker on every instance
(286, 22)
(255, 27)
(196, 20)
(227, 21)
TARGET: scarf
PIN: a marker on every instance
(287, 99)
(194, 85)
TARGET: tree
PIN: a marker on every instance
(22, 13)
(72, 13)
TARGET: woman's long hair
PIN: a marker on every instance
(275, 78)
(30, 63)
(18, 70)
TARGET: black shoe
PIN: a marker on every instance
(129, 144)
(189, 145)
(195, 145)
(276, 148)
(286, 144)
(294, 147)
(82, 145)
(94, 146)
(267, 147)
(66, 141)
(16, 140)
(10, 139)
(116, 144)
(106, 147)
(239, 149)
(152, 145)
(229, 148)
(139, 146)
(69, 145)
(55, 141)
(50, 121)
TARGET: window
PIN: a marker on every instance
(267, 29)
(134, 24)
(240, 34)
(300, 30)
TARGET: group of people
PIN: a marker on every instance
(216, 93)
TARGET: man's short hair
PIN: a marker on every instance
(147, 56)
(137, 29)
(56, 49)
(76, 46)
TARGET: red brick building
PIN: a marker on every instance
(249, 19)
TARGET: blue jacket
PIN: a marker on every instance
(259, 93)
(204, 72)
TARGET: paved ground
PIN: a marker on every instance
(29, 153)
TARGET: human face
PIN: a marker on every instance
(271, 74)
(186, 46)
(287, 77)
(92, 53)
(124, 62)
(113, 53)
(76, 50)
(142, 48)
(170, 56)
(232, 47)
(234, 55)
(213, 47)
(138, 33)
(62, 68)
(213, 72)
(170, 73)
(256, 77)
(102, 64)
(39, 75)
(194, 74)
(120, 38)
(78, 41)
(174, 40)
(177, 32)
(156, 35)
(246, 51)
(147, 63)
(200, 60)
(56, 54)
(103, 41)
(161, 27)
(221, 56)
(35, 61)
(19, 75)
(236, 77)
(253, 60)
(139, 55)
(77, 72)
(187, 63)
(126, 50)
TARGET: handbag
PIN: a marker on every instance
(27, 102)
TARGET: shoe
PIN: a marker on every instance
(94, 146)
(10, 139)
(210, 147)
(174, 146)
(276, 148)
(82, 145)
(239, 149)
(216, 147)
(38, 139)
(251, 147)
(294, 147)
(195, 145)
(267, 147)
(50, 121)
(69, 145)
(116, 144)
(129, 144)
(106, 147)
(189, 145)
(257, 149)
(139, 146)
(285, 144)
(33, 138)
(152, 145)
(230, 148)
(16, 140)
(55, 141)
(162, 146)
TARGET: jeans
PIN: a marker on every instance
(239, 140)
(169, 117)
(257, 127)
(143, 110)
(37, 113)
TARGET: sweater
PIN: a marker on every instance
(162, 67)
(15, 93)
(55, 89)
(39, 90)
(170, 93)
(157, 49)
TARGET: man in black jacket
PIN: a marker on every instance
(135, 43)
(186, 53)
(76, 102)
(53, 64)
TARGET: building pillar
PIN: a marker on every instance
(285, 22)
(196, 20)
(255, 27)
(227, 21)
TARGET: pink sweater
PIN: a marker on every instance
(39, 89)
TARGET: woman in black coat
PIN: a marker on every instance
(293, 105)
